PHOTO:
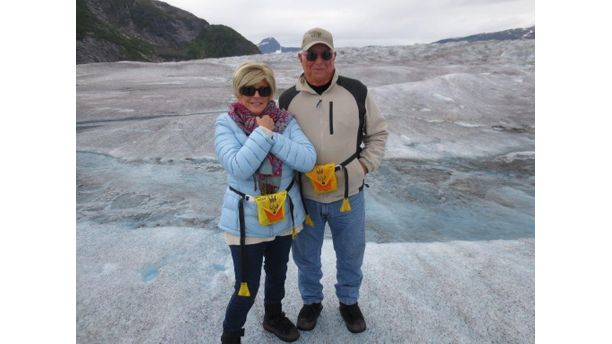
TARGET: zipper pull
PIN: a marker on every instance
(319, 102)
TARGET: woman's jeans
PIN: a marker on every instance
(276, 255)
(348, 235)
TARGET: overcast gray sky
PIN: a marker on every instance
(361, 23)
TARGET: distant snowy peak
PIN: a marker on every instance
(523, 33)
(270, 45)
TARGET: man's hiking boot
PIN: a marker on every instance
(353, 318)
(276, 322)
(307, 319)
(232, 337)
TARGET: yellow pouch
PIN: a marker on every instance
(323, 178)
(271, 208)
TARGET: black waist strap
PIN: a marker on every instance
(350, 158)
(248, 197)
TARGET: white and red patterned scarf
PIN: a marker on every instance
(268, 182)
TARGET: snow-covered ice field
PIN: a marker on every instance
(450, 213)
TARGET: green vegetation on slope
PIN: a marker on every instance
(87, 24)
(219, 41)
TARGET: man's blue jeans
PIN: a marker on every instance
(276, 254)
(348, 234)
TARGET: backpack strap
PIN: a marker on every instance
(286, 98)
(359, 92)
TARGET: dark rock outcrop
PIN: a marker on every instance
(150, 30)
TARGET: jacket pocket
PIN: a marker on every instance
(355, 174)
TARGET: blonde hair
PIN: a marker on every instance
(250, 73)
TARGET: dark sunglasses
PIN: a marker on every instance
(249, 91)
(312, 56)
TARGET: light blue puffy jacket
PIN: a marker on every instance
(241, 156)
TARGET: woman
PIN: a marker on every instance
(260, 146)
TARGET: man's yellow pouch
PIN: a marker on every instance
(323, 178)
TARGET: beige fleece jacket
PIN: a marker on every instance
(331, 122)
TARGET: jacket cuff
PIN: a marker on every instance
(262, 131)
(267, 131)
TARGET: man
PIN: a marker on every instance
(349, 135)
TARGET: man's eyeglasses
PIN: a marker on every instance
(311, 56)
(249, 91)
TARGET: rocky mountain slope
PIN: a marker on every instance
(150, 30)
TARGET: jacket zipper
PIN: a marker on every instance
(331, 118)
